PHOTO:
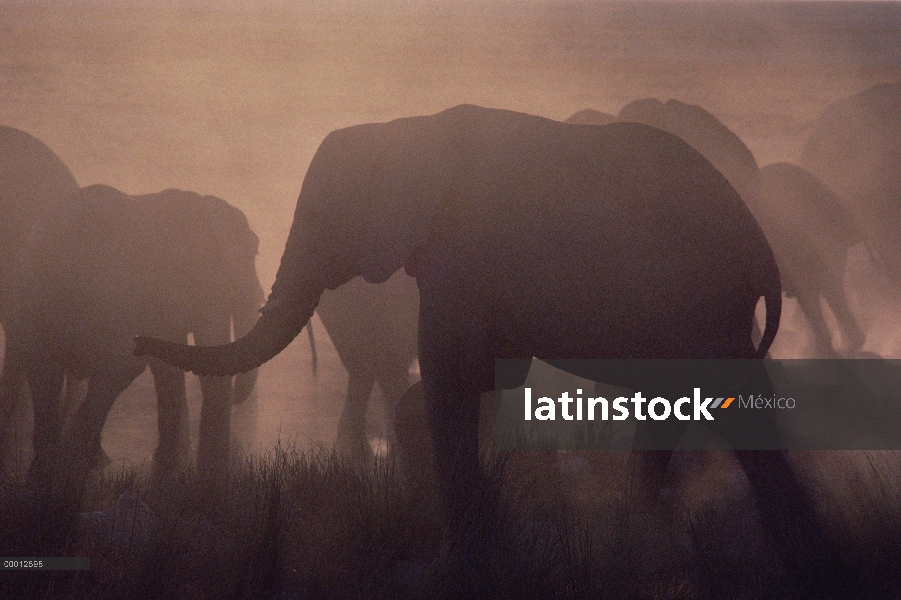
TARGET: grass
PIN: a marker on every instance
(311, 525)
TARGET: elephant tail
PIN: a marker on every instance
(772, 298)
(312, 345)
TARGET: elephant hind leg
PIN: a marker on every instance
(45, 382)
(82, 437)
(655, 442)
(352, 440)
(76, 390)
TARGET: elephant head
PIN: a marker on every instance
(366, 204)
(238, 249)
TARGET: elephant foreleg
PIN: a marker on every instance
(173, 449)
(853, 335)
(352, 424)
(821, 334)
(393, 383)
(415, 449)
(76, 391)
(454, 422)
(82, 437)
(214, 440)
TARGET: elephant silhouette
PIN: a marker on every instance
(854, 146)
(102, 266)
(810, 233)
(374, 329)
(32, 177)
(528, 237)
(810, 242)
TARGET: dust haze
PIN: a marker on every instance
(233, 101)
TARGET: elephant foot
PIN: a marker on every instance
(168, 466)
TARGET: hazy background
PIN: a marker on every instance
(229, 100)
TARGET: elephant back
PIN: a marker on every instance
(613, 197)
(706, 134)
(854, 147)
(589, 116)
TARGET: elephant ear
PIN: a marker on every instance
(414, 171)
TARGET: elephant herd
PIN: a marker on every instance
(83, 270)
(461, 237)
(807, 225)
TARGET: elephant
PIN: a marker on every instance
(591, 117)
(528, 237)
(374, 329)
(808, 231)
(32, 177)
(100, 267)
(706, 134)
(854, 146)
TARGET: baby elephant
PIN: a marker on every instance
(101, 267)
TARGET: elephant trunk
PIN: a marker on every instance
(282, 319)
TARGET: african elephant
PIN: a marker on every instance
(855, 148)
(374, 329)
(101, 267)
(527, 237)
(32, 177)
(810, 233)
(706, 134)
(799, 216)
